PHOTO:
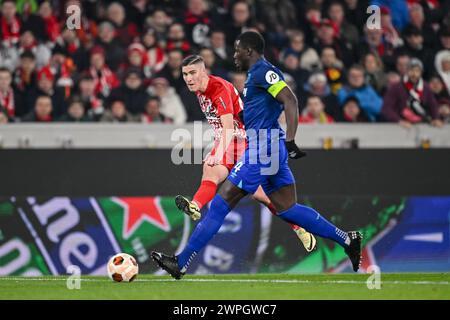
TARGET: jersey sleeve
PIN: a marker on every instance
(222, 101)
(271, 79)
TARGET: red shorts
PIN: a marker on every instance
(233, 153)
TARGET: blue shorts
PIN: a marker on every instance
(271, 172)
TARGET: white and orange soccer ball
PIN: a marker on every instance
(122, 268)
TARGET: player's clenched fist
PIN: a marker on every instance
(294, 151)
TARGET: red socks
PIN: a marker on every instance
(274, 212)
(205, 193)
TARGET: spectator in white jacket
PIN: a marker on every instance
(171, 105)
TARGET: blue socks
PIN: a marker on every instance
(313, 222)
(204, 231)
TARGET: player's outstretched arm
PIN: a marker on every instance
(288, 98)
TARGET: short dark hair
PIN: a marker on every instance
(253, 40)
(4, 69)
(193, 59)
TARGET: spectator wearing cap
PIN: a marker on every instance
(171, 105)
(411, 101)
(156, 56)
(10, 100)
(25, 76)
(309, 59)
(442, 65)
(86, 92)
(10, 24)
(117, 112)
(46, 86)
(333, 68)
(414, 47)
(197, 21)
(176, 39)
(317, 85)
(126, 31)
(28, 42)
(370, 101)
(42, 110)
(137, 58)
(76, 112)
(352, 111)
(132, 91)
(315, 112)
(152, 112)
(104, 78)
(114, 53)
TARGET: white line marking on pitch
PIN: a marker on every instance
(238, 280)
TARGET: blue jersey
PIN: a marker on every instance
(261, 108)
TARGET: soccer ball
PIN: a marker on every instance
(122, 267)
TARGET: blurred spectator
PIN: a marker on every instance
(172, 70)
(401, 64)
(390, 34)
(211, 64)
(46, 86)
(438, 87)
(118, 112)
(74, 49)
(176, 39)
(105, 80)
(171, 105)
(25, 76)
(132, 92)
(317, 86)
(198, 22)
(28, 42)
(86, 92)
(309, 59)
(10, 24)
(411, 101)
(222, 51)
(136, 58)
(333, 68)
(315, 112)
(444, 111)
(159, 21)
(10, 100)
(278, 15)
(152, 112)
(125, 31)
(392, 78)
(75, 112)
(291, 65)
(352, 112)
(444, 38)
(374, 43)
(375, 75)
(42, 110)
(417, 19)
(62, 68)
(356, 13)
(442, 65)
(52, 29)
(241, 20)
(414, 47)
(113, 50)
(156, 57)
(326, 36)
(370, 101)
(346, 31)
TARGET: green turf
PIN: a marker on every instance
(222, 287)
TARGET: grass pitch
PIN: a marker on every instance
(235, 287)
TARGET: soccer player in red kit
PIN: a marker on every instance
(221, 104)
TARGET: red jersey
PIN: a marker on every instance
(221, 98)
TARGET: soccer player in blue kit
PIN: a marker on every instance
(265, 162)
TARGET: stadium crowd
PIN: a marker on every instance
(122, 63)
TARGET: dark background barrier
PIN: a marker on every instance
(151, 172)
